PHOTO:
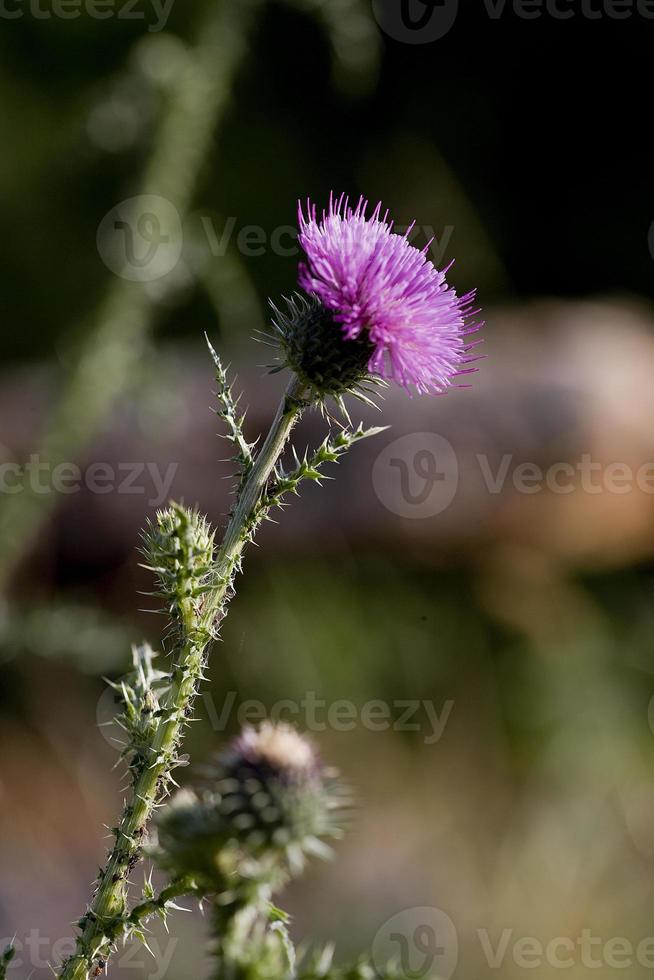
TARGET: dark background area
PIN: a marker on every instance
(544, 122)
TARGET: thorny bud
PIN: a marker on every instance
(267, 803)
(313, 346)
(178, 546)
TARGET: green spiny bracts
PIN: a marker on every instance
(266, 804)
(276, 794)
(313, 346)
(178, 546)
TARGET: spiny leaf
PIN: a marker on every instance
(228, 412)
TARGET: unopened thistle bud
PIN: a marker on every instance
(178, 547)
(267, 803)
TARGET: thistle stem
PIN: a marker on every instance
(141, 913)
(107, 912)
(239, 528)
(107, 915)
(235, 946)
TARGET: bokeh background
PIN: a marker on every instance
(516, 626)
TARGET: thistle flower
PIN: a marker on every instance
(266, 804)
(386, 294)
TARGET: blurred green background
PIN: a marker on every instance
(505, 635)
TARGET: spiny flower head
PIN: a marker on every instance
(266, 804)
(178, 547)
(316, 350)
(380, 288)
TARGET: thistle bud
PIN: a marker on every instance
(178, 547)
(314, 347)
(267, 803)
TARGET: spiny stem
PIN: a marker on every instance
(196, 603)
(152, 906)
(240, 528)
(310, 467)
(107, 912)
(228, 412)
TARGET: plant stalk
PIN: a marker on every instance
(108, 913)
(239, 529)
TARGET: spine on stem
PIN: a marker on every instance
(179, 547)
(195, 583)
(195, 587)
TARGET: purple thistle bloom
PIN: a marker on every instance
(376, 284)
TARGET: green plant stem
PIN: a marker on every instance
(235, 948)
(107, 913)
(145, 910)
(240, 527)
